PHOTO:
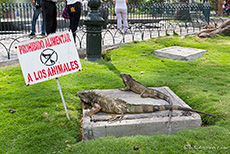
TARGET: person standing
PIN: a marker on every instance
(74, 10)
(121, 12)
(85, 7)
(37, 12)
(104, 11)
(50, 14)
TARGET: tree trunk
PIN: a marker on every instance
(223, 29)
(220, 7)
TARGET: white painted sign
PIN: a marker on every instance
(48, 58)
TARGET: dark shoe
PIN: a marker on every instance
(32, 34)
(43, 34)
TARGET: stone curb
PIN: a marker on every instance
(9, 62)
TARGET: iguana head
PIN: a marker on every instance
(86, 96)
(125, 77)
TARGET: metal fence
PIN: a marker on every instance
(145, 21)
(16, 17)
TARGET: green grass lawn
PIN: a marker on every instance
(39, 124)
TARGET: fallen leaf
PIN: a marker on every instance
(68, 146)
(46, 115)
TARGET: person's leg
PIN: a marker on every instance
(74, 11)
(34, 20)
(228, 11)
(43, 23)
(85, 13)
(46, 10)
(50, 12)
(124, 19)
(119, 24)
(105, 17)
(54, 14)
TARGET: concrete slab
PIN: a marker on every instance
(180, 53)
(138, 124)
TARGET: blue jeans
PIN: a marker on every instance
(34, 20)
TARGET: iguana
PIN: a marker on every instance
(137, 87)
(95, 102)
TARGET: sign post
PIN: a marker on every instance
(63, 101)
(48, 58)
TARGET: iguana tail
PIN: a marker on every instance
(175, 107)
(156, 94)
(154, 108)
(161, 95)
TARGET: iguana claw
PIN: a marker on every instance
(115, 117)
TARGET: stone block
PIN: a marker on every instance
(139, 124)
(180, 53)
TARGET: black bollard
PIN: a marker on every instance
(94, 22)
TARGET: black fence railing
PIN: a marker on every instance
(16, 17)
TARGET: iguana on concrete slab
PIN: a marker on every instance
(137, 87)
(95, 102)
